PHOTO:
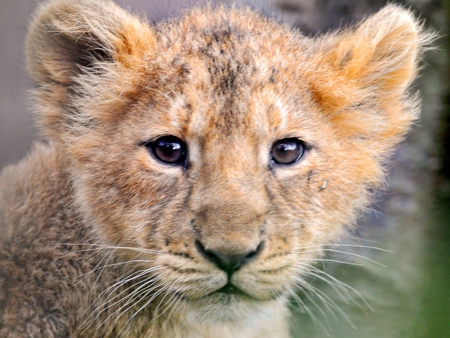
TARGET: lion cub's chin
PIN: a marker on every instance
(233, 314)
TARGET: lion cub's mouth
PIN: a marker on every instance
(230, 289)
(229, 292)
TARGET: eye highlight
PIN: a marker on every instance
(168, 149)
(287, 151)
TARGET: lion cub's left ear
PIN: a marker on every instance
(66, 36)
(363, 74)
(84, 56)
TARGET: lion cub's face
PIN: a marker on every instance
(225, 170)
(222, 151)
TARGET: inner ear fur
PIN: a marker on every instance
(66, 37)
(84, 56)
(363, 75)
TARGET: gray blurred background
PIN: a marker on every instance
(409, 286)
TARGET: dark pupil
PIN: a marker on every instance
(287, 151)
(169, 150)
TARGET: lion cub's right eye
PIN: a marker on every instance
(287, 151)
(168, 149)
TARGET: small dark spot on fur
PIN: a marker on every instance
(272, 78)
(345, 60)
(183, 271)
(274, 271)
(310, 176)
(277, 255)
(167, 242)
(262, 230)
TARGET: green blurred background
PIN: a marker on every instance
(406, 284)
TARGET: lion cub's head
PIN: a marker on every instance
(221, 150)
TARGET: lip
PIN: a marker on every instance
(230, 289)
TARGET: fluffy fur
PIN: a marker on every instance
(100, 239)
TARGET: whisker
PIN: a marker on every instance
(305, 287)
(357, 255)
(326, 301)
(112, 247)
(122, 282)
(179, 300)
(329, 260)
(336, 287)
(340, 252)
(143, 283)
(342, 286)
(324, 245)
(170, 288)
(311, 314)
(117, 264)
(113, 288)
(152, 285)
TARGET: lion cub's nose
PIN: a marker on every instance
(226, 262)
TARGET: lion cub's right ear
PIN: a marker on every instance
(363, 74)
(76, 43)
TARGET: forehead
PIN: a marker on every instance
(228, 78)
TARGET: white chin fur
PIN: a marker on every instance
(233, 316)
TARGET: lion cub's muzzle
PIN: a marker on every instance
(229, 223)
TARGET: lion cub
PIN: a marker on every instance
(194, 169)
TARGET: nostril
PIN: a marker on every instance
(226, 262)
(253, 254)
(206, 253)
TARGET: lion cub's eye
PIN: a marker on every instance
(287, 151)
(168, 149)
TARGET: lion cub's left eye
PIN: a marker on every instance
(169, 150)
(287, 151)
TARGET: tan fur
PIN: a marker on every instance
(99, 238)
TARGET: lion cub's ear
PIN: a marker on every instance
(74, 45)
(363, 74)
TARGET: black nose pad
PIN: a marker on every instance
(228, 263)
